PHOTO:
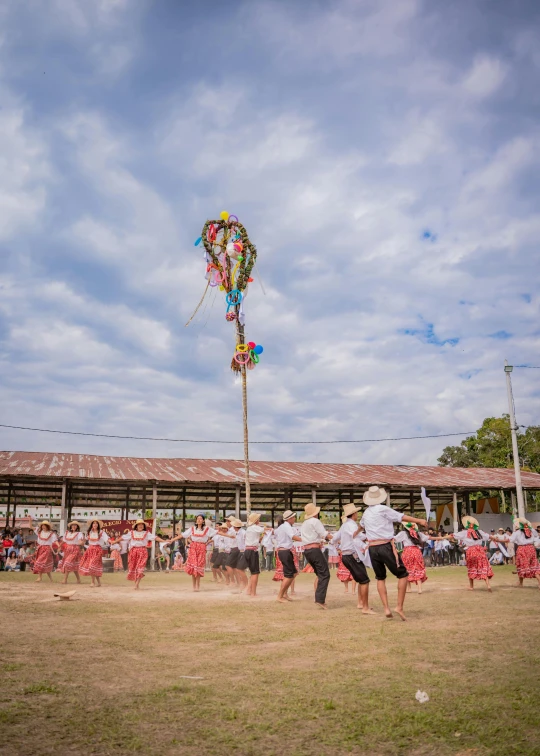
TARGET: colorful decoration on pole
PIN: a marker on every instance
(230, 257)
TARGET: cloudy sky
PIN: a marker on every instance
(384, 156)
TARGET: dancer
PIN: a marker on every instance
(236, 560)
(285, 538)
(313, 535)
(44, 560)
(92, 561)
(116, 554)
(412, 555)
(348, 533)
(526, 540)
(343, 574)
(378, 522)
(215, 559)
(73, 542)
(199, 535)
(140, 539)
(254, 532)
(478, 566)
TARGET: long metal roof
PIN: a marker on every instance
(16, 464)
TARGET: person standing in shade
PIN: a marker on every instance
(378, 522)
(314, 534)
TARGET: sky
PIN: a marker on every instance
(384, 157)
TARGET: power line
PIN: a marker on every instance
(530, 367)
(199, 441)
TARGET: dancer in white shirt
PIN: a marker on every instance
(73, 541)
(348, 532)
(286, 570)
(44, 560)
(199, 535)
(478, 566)
(412, 556)
(313, 535)
(254, 533)
(92, 561)
(378, 521)
(525, 540)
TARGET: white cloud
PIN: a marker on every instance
(485, 76)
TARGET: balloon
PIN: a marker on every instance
(199, 240)
(258, 349)
(251, 344)
(224, 215)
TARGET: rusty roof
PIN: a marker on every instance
(223, 471)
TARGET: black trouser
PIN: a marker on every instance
(124, 558)
(316, 559)
(356, 568)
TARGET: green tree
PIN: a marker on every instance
(491, 446)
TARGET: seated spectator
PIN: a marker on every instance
(12, 563)
(23, 558)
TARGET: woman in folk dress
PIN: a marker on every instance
(525, 540)
(43, 560)
(478, 566)
(92, 561)
(140, 539)
(72, 544)
(199, 535)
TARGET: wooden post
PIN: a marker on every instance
(388, 501)
(503, 501)
(273, 518)
(63, 520)
(455, 512)
(216, 506)
(526, 502)
(154, 516)
(127, 504)
(411, 503)
(174, 522)
(8, 509)
(514, 505)
(467, 500)
(237, 503)
(183, 510)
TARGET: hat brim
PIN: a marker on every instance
(288, 514)
(370, 501)
(313, 514)
(468, 520)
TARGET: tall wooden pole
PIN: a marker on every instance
(246, 441)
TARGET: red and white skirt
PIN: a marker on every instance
(117, 565)
(71, 560)
(478, 566)
(278, 574)
(333, 560)
(414, 562)
(92, 562)
(527, 562)
(196, 560)
(137, 559)
(43, 560)
(308, 568)
(343, 573)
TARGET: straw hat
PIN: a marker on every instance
(288, 514)
(74, 522)
(230, 518)
(374, 495)
(253, 518)
(139, 522)
(349, 509)
(311, 511)
(44, 522)
(344, 518)
(237, 523)
(521, 521)
(467, 521)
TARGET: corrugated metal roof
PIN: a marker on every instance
(90, 467)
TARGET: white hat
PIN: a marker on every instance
(350, 509)
(253, 518)
(374, 495)
(311, 511)
(288, 514)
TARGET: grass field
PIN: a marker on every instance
(109, 673)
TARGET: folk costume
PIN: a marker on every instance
(253, 534)
(411, 555)
(478, 566)
(349, 555)
(44, 559)
(313, 534)
(72, 544)
(526, 541)
(196, 561)
(92, 561)
(378, 522)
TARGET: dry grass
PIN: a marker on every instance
(106, 674)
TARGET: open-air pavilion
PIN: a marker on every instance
(74, 481)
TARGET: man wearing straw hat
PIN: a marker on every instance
(285, 538)
(347, 533)
(378, 522)
(313, 535)
(254, 531)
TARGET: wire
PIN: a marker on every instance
(199, 441)
(530, 367)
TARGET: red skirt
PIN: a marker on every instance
(333, 560)
(296, 560)
(478, 567)
(414, 562)
(527, 562)
(117, 566)
(343, 573)
(137, 559)
(43, 560)
(278, 574)
(196, 560)
(71, 560)
(92, 562)
(308, 568)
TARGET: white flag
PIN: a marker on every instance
(426, 501)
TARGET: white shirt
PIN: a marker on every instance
(98, 540)
(199, 536)
(138, 539)
(404, 538)
(253, 534)
(241, 539)
(48, 540)
(124, 542)
(73, 539)
(164, 548)
(115, 547)
(268, 542)
(284, 536)
(520, 539)
(346, 535)
(461, 535)
(361, 545)
(378, 522)
(231, 543)
(312, 531)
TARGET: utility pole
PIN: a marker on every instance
(513, 428)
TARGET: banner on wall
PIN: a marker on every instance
(116, 528)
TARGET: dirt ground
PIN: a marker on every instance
(165, 671)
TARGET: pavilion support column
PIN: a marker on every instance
(216, 507)
(314, 496)
(174, 522)
(183, 510)
(237, 502)
(63, 520)
(411, 503)
(467, 500)
(503, 502)
(154, 526)
(526, 502)
(8, 509)
(455, 512)
(388, 501)
(514, 504)
(273, 518)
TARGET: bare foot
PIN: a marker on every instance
(470, 589)
(281, 600)
(288, 598)
(92, 585)
(388, 613)
(368, 611)
(490, 591)
(320, 606)
(401, 614)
